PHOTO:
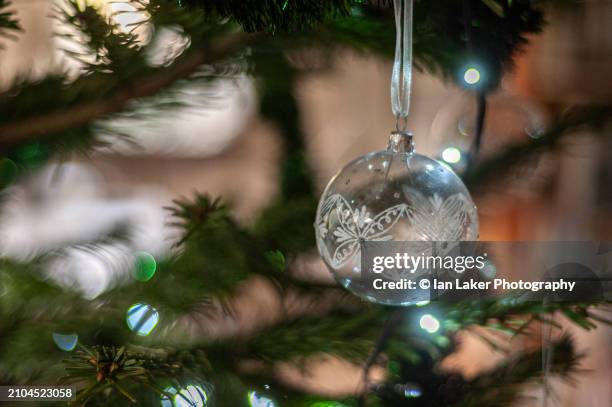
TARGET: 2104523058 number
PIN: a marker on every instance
(36, 393)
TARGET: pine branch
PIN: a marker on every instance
(201, 217)
(8, 23)
(193, 214)
(440, 43)
(135, 373)
(58, 112)
(48, 124)
(499, 386)
(128, 371)
(273, 15)
(512, 317)
(502, 385)
(112, 49)
(346, 334)
(520, 153)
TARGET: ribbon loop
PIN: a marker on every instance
(401, 77)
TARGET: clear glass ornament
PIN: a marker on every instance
(393, 194)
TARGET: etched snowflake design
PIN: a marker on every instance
(354, 226)
(435, 219)
(431, 219)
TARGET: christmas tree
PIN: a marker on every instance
(154, 339)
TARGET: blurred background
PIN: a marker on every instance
(225, 148)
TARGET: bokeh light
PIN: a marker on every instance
(451, 155)
(66, 342)
(256, 400)
(145, 266)
(168, 401)
(142, 319)
(412, 391)
(489, 270)
(429, 323)
(471, 76)
(192, 396)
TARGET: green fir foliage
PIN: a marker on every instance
(215, 256)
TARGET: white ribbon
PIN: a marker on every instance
(401, 78)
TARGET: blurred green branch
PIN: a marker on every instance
(502, 385)
(75, 115)
(217, 255)
(8, 22)
(490, 169)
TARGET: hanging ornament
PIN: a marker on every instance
(393, 194)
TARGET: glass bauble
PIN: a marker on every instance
(394, 194)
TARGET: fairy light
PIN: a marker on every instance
(451, 155)
(429, 323)
(471, 76)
